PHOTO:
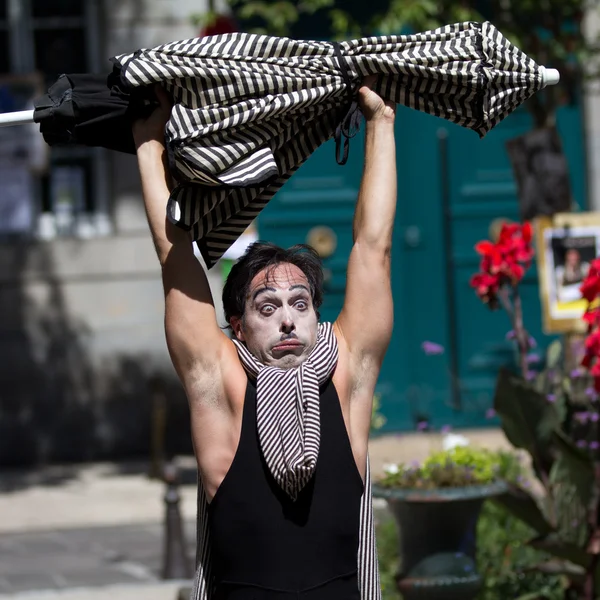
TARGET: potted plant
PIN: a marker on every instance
(436, 506)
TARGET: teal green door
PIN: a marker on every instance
(451, 186)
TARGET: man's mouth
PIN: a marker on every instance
(287, 345)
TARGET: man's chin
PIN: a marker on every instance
(288, 361)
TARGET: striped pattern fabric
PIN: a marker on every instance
(288, 422)
(250, 109)
(287, 410)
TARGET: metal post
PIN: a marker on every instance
(158, 427)
(176, 563)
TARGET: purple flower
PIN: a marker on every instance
(592, 394)
(431, 348)
(577, 346)
(414, 464)
(530, 375)
(582, 417)
(510, 335)
(422, 425)
(594, 445)
(490, 413)
(594, 417)
(446, 428)
(551, 397)
(533, 358)
(532, 342)
(575, 373)
(581, 444)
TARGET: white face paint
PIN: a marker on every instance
(279, 325)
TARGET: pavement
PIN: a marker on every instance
(95, 531)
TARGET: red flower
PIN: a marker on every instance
(220, 25)
(592, 317)
(590, 288)
(504, 262)
(486, 287)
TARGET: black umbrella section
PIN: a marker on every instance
(92, 110)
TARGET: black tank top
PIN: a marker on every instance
(264, 546)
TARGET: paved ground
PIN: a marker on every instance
(94, 532)
(164, 590)
(86, 557)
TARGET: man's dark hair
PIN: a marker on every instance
(264, 255)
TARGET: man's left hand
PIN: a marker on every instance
(372, 105)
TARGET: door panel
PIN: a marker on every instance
(451, 186)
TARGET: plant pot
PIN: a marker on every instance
(438, 539)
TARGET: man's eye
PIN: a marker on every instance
(301, 305)
(267, 309)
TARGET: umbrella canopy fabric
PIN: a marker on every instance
(250, 109)
(91, 110)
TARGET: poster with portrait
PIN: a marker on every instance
(566, 246)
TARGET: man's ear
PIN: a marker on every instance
(238, 329)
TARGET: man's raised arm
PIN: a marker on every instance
(366, 320)
(193, 335)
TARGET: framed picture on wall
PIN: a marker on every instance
(566, 245)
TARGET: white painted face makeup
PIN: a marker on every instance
(279, 325)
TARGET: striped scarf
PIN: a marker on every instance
(288, 422)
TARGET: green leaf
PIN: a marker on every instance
(562, 567)
(553, 354)
(524, 506)
(203, 19)
(312, 6)
(556, 546)
(573, 467)
(528, 419)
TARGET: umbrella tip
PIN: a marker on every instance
(550, 76)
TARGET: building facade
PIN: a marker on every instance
(81, 319)
(84, 367)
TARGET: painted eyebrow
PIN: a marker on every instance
(298, 286)
(262, 291)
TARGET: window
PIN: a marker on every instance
(57, 8)
(51, 37)
(4, 55)
(59, 51)
(4, 42)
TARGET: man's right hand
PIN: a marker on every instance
(152, 128)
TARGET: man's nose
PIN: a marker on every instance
(287, 323)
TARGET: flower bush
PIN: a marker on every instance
(459, 467)
(552, 413)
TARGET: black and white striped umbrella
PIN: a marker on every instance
(250, 109)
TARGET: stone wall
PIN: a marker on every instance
(81, 321)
